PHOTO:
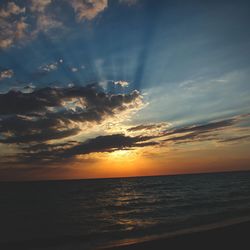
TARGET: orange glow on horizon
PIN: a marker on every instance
(141, 162)
(128, 163)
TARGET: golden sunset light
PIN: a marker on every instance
(124, 124)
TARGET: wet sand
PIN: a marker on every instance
(236, 236)
(233, 236)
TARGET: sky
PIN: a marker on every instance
(114, 88)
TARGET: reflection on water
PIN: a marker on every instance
(100, 211)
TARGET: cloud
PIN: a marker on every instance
(5, 42)
(207, 127)
(16, 23)
(8, 73)
(39, 5)
(199, 132)
(17, 102)
(217, 131)
(44, 23)
(121, 83)
(236, 139)
(55, 113)
(15, 28)
(88, 9)
(74, 69)
(49, 67)
(12, 24)
(42, 123)
(107, 143)
(10, 10)
(45, 69)
(19, 25)
(43, 135)
(192, 137)
(212, 131)
(148, 127)
(33, 120)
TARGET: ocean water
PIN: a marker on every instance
(97, 213)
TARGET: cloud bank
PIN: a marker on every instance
(52, 113)
(22, 22)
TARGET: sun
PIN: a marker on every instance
(122, 155)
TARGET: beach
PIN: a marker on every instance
(235, 236)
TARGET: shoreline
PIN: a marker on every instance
(231, 233)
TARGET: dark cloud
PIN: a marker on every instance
(204, 132)
(202, 128)
(146, 127)
(236, 139)
(108, 143)
(194, 133)
(54, 113)
(31, 119)
(17, 102)
(193, 129)
(186, 134)
(192, 137)
(47, 134)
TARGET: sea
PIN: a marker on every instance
(97, 213)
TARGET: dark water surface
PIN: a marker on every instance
(98, 212)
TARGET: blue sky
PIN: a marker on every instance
(189, 60)
(153, 45)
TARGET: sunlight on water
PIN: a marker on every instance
(106, 210)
